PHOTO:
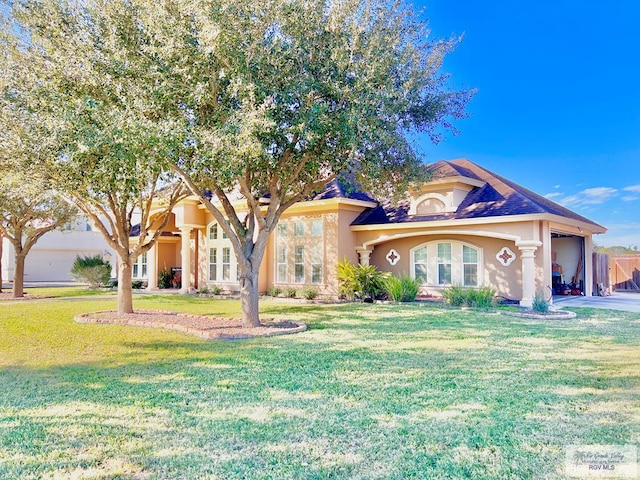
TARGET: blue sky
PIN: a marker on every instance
(558, 102)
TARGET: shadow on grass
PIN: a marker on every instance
(369, 392)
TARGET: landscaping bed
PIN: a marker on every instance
(207, 327)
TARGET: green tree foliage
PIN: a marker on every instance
(81, 86)
(93, 270)
(290, 95)
(29, 206)
(29, 209)
(266, 100)
(618, 250)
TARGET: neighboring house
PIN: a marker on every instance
(52, 257)
(467, 226)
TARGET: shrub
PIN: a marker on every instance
(137, 284)
(290, 292)
(309, 293)
(401, 289)
(540, 304)
(274, 291)
(164, 278)
(215, 290)
(92, 270)
(454, 295)
(481, 297)
(360, 281)
(459, 296)
(203, 290)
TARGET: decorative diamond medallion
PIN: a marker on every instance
(505, 256)
(393, 256)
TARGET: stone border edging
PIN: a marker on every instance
(86, 318)
(557, 315)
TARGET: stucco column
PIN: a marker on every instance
(364, 255)
(185, 233)
(152, 268)
(528, 254)
(588, 266)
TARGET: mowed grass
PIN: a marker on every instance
(370, 391)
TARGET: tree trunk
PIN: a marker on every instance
(125, 293)
(249, 299)
(18, 277)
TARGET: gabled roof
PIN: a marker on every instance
(337, 189)
(497, 198)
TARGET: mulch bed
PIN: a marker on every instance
(210, 328)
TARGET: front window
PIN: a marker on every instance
(420, 264)
(213, 232)
(316, 228)
(213, 264)
(447, 263)
(299, 251)
(140, 266)
(316, 263)
(281, 261)
(223, 266)
(226, 264)
(444, 264)
(470, 266)
(298, 265)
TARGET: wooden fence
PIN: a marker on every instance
(625, 273)
(600, 273)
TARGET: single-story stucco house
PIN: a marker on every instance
(466, 226)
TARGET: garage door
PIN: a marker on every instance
(52, 265)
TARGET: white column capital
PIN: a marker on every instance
(365, 254)
(528, 246)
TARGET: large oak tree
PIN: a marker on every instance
(109, 141)
(272, 99)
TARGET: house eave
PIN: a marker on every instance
(580, 226)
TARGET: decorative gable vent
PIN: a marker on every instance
(443, 195)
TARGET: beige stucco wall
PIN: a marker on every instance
(505, 279)
(490, 238)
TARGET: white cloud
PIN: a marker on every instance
(630, 198)
(590, 196)
(553, 195)
(632, 188)
(598, 195)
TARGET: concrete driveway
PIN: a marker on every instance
(627, 302)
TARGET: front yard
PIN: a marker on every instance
(370, 391)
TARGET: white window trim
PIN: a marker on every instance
(457, 269)
(220, 244)
(448, 204)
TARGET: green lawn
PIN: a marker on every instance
(370, 391)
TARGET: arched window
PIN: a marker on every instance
(430, 206)
(447, 262)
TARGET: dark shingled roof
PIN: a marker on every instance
(498, 197)
(337, 189)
